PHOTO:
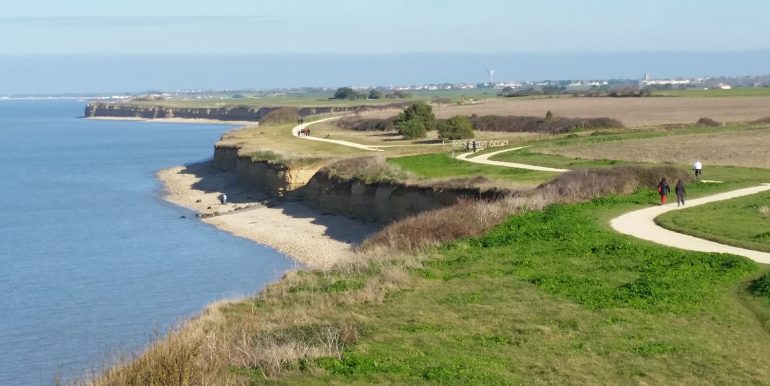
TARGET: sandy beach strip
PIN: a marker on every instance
(313, 239)
(178, 120)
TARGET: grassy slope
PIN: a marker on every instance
(442, 165)
(736, 222)
(555, 297)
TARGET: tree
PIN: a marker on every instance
(420, 112)
(346, 93)
(548, 115)
(375, 94)
(457, 127)
(412, 129)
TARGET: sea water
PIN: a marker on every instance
(93, 262)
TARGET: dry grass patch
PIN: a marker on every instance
(469, 218)
(633, 112)
(745, 148)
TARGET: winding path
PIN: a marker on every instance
(641, 223)
(484, 159)
(296, 129)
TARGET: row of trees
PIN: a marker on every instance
(418, 119)
(347, 93)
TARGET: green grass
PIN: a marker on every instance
(319, 99)
(527, 156)
(553, 297)
(442, 165)
(735, 92)
(737, 222)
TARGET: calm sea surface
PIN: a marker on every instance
(92, 261)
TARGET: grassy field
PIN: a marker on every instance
(549, 297)
(717, 92)
(442, 166)
(739, 145)
(529, 157)
(321, 99)
(742, 222)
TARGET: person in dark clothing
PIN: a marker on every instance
(663, 190)
(680, 193)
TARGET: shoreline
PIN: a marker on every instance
(205, 121)
(316, 240)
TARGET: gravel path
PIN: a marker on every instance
(296, 130)
(641, 223)
(484, 159)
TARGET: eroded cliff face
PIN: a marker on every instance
(376, 202)
(383, 201)
(226, 113)
(280, 181)
(234, 113)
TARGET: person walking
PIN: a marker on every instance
(680, 193)
(663, 190)
(698, 167)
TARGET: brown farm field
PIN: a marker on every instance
(633, 112)
(745, 148)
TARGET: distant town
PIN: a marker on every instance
(583, 87)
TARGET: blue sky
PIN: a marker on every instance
(130, 27)
(54, 46)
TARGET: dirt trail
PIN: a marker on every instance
(484, 159)
(641, 223)
(295, 131)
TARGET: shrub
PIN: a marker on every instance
(707, 122)
(376, 94)
(412, 129)
(347, 93)
(275, 158)
(371, 124)
(587, 184)
(515, 124)
(367, 169)
(761, 287)
(457, 127)
(415, 120)
(281, 115)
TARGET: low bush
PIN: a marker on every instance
(276, 158)
(366, 169)
(280, 115)
(761, 287)
(586, 184)
(473, 218)
(372, 124)
(707, 122)
(457, 127)
(554, 125)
